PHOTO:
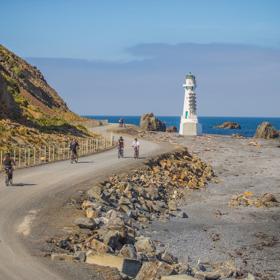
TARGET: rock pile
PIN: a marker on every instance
(266, 131)
(248, 199)
(229, 125)
(114, 211)
(150, 123)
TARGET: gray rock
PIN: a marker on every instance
(85, 223)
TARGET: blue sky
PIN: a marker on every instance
(101, 55)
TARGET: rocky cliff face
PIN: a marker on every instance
(24, 93)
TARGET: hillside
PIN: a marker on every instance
(25, 94)
(30, 109)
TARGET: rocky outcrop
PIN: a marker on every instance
(150, 123)
(229, 125)
(266, 131)
(171, 129)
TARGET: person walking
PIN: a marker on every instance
(136, 147)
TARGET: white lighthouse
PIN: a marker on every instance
(189, 123)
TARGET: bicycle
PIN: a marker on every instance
(120, 152)
(9, 176)
(136, 152)
(74, 157)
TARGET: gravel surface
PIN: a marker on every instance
(216, 232)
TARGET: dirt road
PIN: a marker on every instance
(21, 204)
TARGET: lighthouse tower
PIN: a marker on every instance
(189, 123)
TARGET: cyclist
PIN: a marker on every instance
(8, 164)
(74, 146)
(136, 147)
(120, 147)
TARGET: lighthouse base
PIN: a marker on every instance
(190, 128)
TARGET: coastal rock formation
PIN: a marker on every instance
(125, 203)
(171, 129)
(266, 131)
(229, 125)
(150, 123)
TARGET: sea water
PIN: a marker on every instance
(248, 125)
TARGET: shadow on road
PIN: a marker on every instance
(22, 185)
(133, 157)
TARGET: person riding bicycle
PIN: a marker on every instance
(136, 147)
(74, 146)
(120, 147)
(8, 164)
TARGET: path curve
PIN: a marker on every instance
(19, 205)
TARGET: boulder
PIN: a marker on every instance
(114, 239)
(150, 123)
(171, 129)
(145, 245)
(229, 125)
(266, 131)
(91, 213)
(268, 197)
(85, 223)
(154, 270)
(172, 205)
(126, 266)
(99, 247)
(128, 251)
(95, 192)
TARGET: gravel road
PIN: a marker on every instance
(36, 188)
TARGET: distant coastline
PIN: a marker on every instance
(248, 124)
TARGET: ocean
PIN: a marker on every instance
(248, 125)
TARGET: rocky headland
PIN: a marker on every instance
(229, 125)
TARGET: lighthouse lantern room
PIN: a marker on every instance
(189, 123)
